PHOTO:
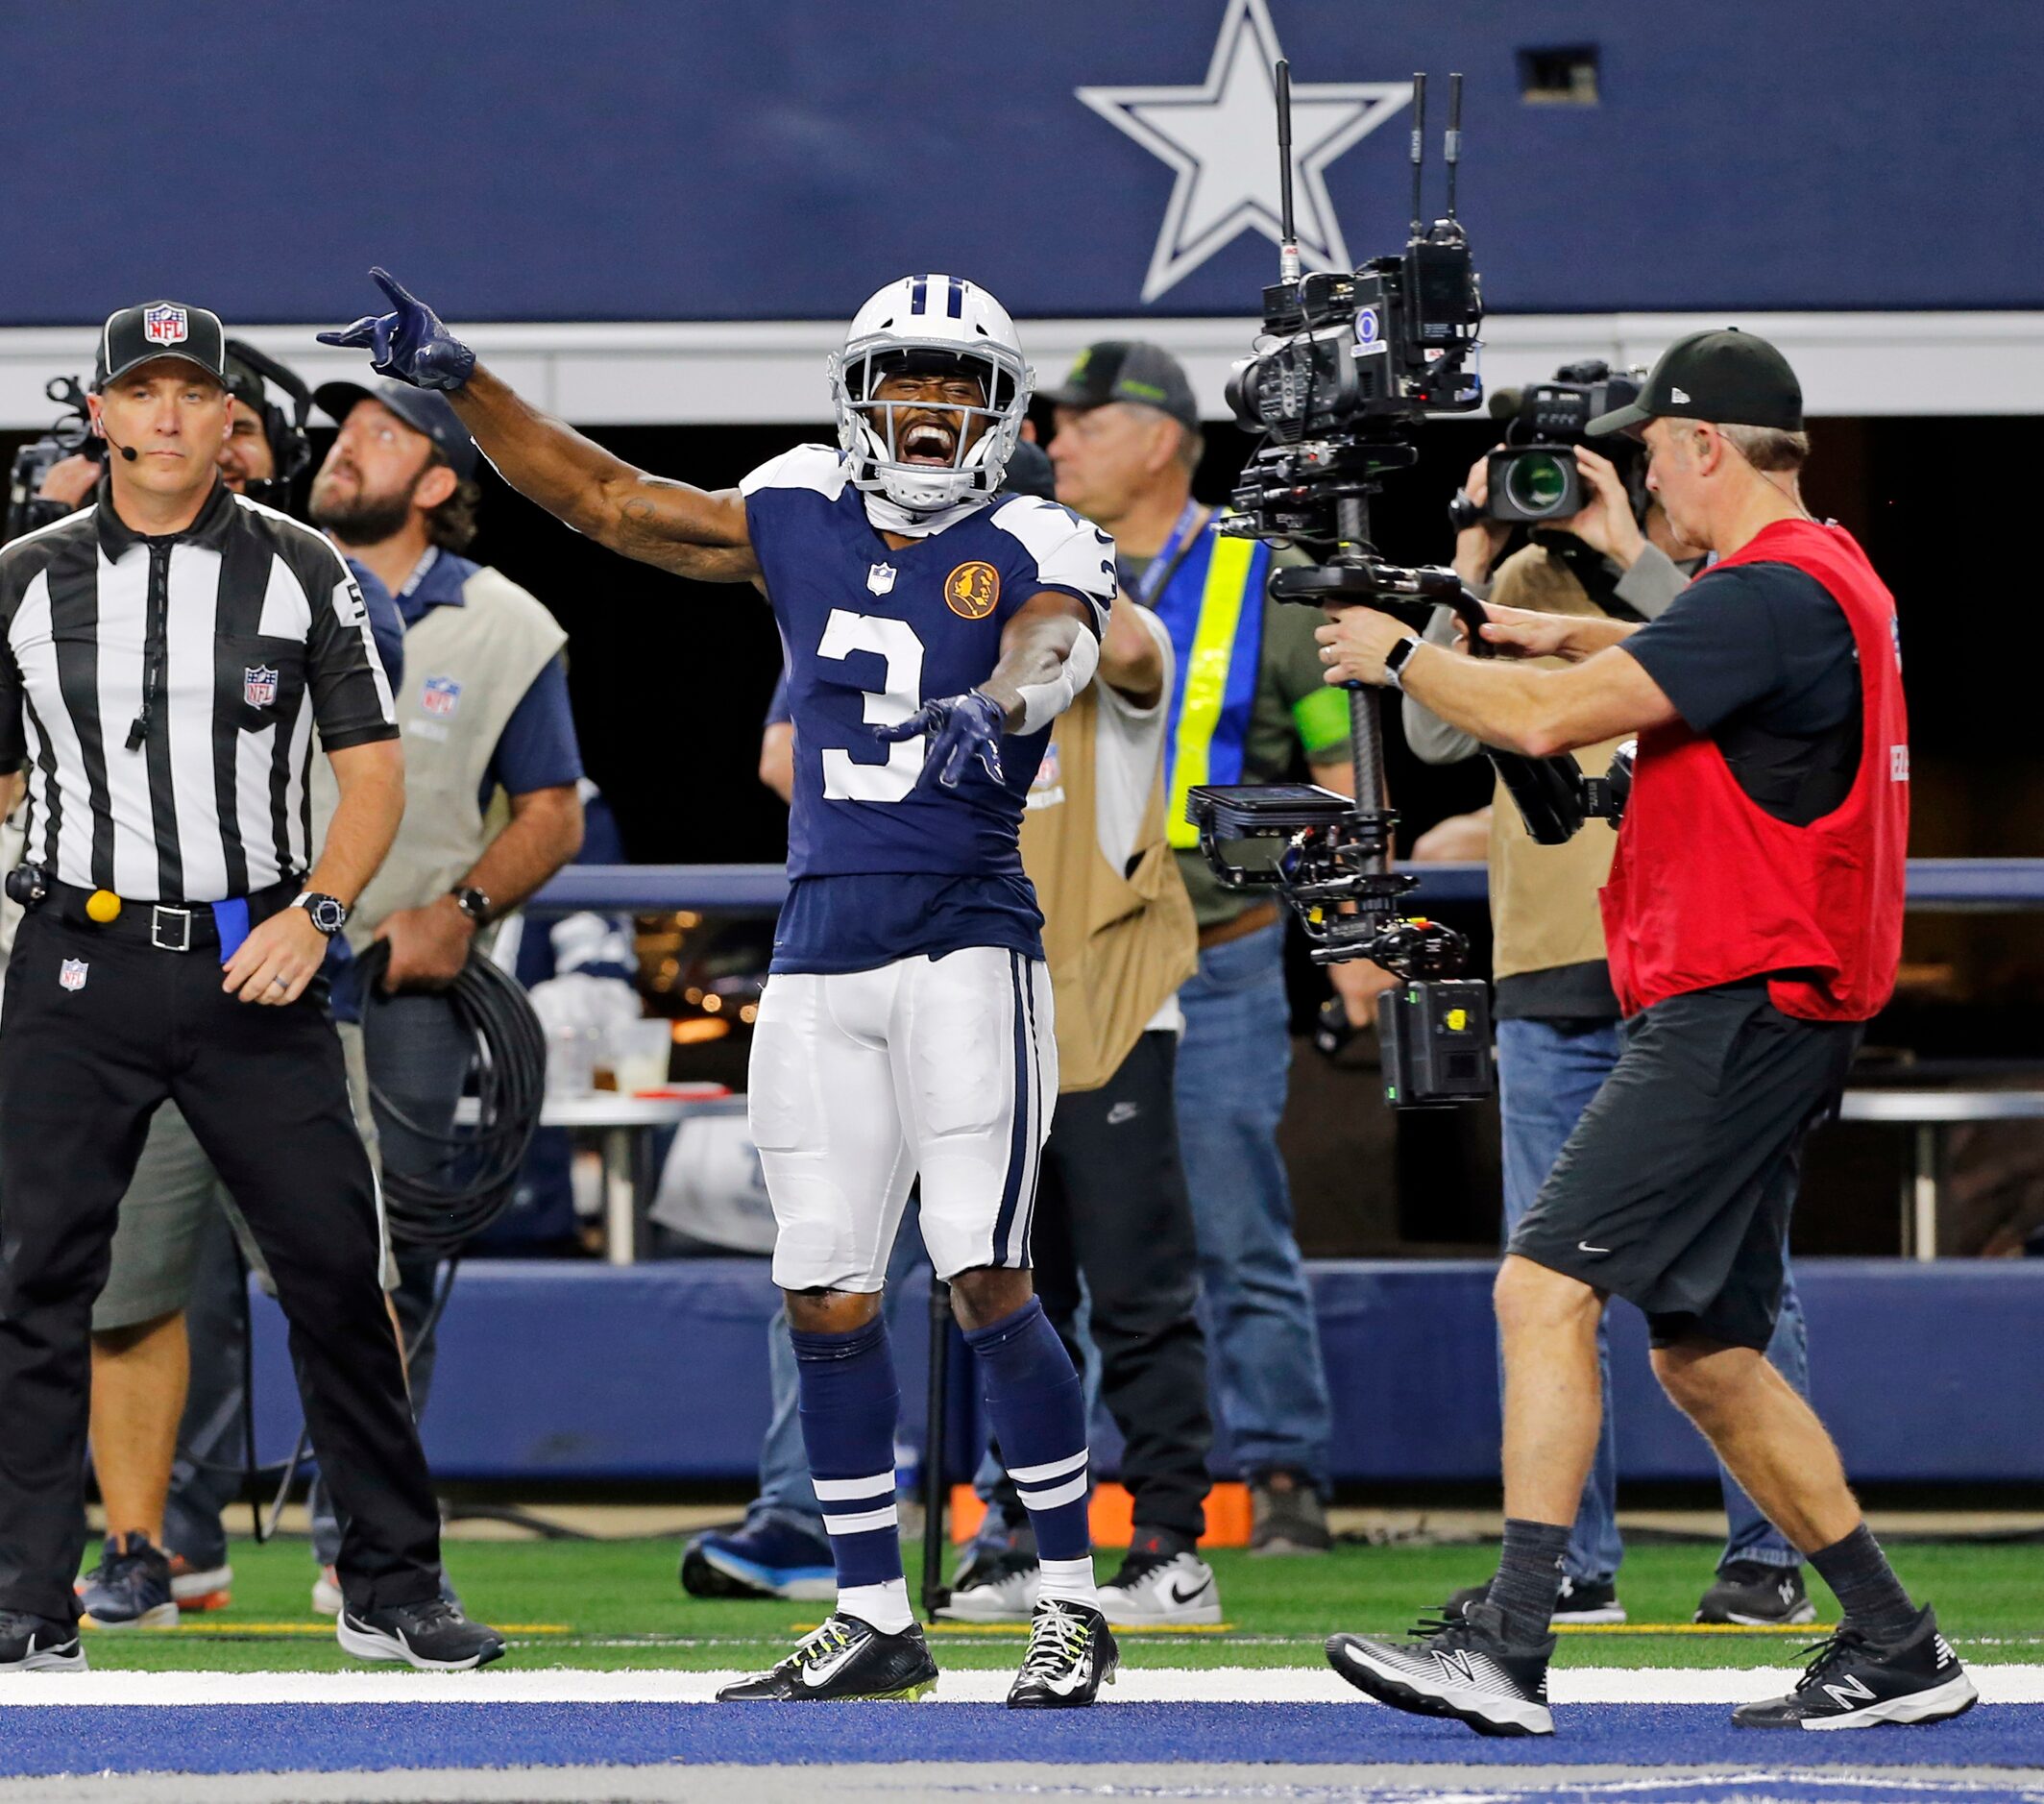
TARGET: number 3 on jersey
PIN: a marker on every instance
(846, 779)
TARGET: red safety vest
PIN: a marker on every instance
(1708, 888)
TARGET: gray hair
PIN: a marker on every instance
(1767, 448)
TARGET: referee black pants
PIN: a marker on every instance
(98, 1029)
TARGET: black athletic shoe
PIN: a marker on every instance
(1071, 1654)
(36, 1643)
(1580, 1603)
(846, 1658)
(433, 1636)
(1855, 1683)
(1466, 1669)
(1755, 1594)
(129, 1588)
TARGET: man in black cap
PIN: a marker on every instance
(484, 708)
(164, 657)
(1754, 924)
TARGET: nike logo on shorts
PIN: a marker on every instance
(1584, 1246)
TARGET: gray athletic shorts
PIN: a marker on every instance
(171, 1203)
(1675, 1188)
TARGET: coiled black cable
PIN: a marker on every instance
(439, 1208)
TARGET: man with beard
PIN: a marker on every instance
(483, 706)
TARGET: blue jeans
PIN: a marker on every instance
(1547, 1071)
(1262, 1340)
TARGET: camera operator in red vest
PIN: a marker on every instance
(1754, 923)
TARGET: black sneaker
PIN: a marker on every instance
(846, 1658)
(36, 1643)
(1286, 1515)
(1749, 1592)
(1071, 1654)
(1855, 1683)
(1466, 1669)
(1581, 1601)
(129, 1588)
(433, 1636)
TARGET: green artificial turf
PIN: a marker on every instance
(617, 1604)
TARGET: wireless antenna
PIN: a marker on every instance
(1419, 144)
(1288, 238)
(1454, 137)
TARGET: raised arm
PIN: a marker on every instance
(694, 532)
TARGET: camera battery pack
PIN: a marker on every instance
(1436, 1042)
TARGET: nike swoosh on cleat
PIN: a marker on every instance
(816, 1675)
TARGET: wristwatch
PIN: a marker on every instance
(472, 903)
(1398, 658)
(330, 915)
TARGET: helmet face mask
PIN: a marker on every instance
(930, 325)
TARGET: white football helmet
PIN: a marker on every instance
(932, 322)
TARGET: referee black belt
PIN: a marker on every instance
(166, 926)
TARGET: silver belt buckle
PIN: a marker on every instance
(180, 918)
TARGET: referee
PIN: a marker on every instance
(1754, 923)
(164, 657)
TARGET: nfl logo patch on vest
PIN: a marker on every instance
(72, 975)
(441, 696)
(164, 324)
(258, 686)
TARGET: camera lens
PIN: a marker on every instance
(1538, 484)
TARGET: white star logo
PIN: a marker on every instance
(1222, 139)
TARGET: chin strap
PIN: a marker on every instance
(889, 516)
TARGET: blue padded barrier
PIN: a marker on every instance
(1924, 1373)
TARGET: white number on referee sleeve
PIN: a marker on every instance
(845, 778)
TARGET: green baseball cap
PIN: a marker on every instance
(1127, 368)
(1729, 378)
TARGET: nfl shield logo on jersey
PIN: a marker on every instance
(258, 686)
(441, 696)
(163, 325)
(881, 578)
(73, 974)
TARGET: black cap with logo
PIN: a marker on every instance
(423, 409)
(160, 329)
(1729, 378)
(1127, 368)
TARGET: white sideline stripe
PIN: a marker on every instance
(851, 1490)
(1252, 1685)
(1055, 1497)
(1057, 1469)
(887, 1518)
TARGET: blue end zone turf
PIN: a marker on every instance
(339, 1737)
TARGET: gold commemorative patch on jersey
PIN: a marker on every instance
(972, 589)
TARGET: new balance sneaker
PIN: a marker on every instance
(34, 1643)
(327, 1599)
(1581, 1600)
(1162, 1584)
(771, 1556)
(202, 1587)
(1466, 1669)
(129, 1588)
(1071, 1654)
(994, 1585)
(1758, 1595)
(1855, 1683)
(433, 1636)
(848, 1658)
(1286, 1516)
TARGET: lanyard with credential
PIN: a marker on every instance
(1147, 587)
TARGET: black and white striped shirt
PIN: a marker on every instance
(256, 633)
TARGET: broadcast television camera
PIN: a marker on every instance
(1533, 476)
(1348, 366)
(70, 436)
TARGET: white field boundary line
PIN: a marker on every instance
(1248, 1685)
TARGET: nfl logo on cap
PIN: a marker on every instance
(259, 687)
(165, 323)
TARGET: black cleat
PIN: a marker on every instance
(1757, 1596)
(433, 1636)
(1855, 1683)
(848, 1658)
(1580, 1601)
(1466, 1669)
(1071, 1654)
(36, 1643)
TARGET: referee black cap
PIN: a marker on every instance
(160, 329)
(1729, 378)
(423, 409)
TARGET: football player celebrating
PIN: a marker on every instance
(934, 630)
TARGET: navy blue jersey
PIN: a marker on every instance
(872, 632)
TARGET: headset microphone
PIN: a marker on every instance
(125, 450)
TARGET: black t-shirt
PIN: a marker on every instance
(1759, 658)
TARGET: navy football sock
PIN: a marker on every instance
(1038, 1410)
(850, 1402)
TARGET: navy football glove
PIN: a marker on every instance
(410, 344)
(961, 729)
